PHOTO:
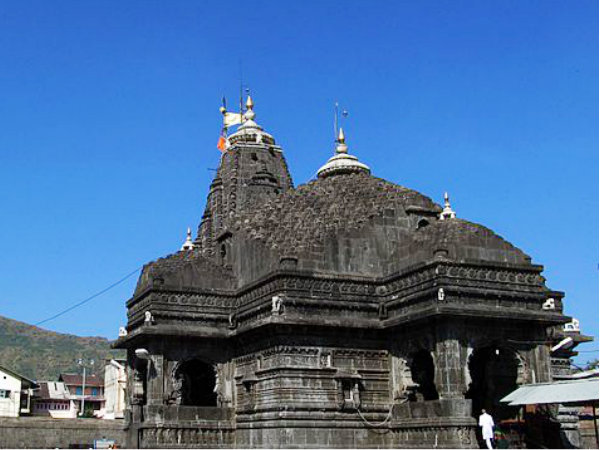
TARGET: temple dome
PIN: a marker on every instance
(357, 223)
(249, 131)
(342, 162)
(462, 240)
(313, 220)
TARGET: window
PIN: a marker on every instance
(94, 391)
(349, 392)
(422, 370)
(197, 380)
(347, 388)
(4, 393)
(422, 224)
(78, 391)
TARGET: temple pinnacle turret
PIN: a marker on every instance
(188, 244)
(342, 162)
(448, 212)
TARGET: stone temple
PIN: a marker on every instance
(345, 312)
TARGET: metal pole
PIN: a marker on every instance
(83, 395)
(595, 423)
(335, 123)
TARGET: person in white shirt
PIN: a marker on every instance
(487, 428)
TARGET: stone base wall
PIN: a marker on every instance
(185, 436)
(309, 436)
(359, 435)
(443, 434)
(38, 432)
(426, 433)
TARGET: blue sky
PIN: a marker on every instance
(110, 119)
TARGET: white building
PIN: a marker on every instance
(115, 380)
(52, 399)
(15, 393)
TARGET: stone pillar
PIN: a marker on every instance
(155, 384)
(449, 377)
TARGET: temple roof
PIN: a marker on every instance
(302, 219)
(344, 221)
(307, 215)
(464, 240)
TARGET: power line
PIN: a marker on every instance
(84, 301)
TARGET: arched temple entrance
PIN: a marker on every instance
(423, 373)
(493, 373)
(195, 383)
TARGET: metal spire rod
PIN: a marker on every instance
(241, 93)
(335, 122)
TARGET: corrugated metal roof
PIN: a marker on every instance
(52, 390)
(572, 391)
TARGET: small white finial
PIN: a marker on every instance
(249, 103)
(447, 212)
(188, 244)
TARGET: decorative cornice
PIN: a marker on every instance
(312, 297)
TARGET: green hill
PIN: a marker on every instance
(42, 355)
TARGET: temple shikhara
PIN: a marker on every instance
(346, 312)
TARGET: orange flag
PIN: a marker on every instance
(221, 143)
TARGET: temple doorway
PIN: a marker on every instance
(423, 372)
(493, 373)
(196, 381)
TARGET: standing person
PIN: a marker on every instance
(487, 428)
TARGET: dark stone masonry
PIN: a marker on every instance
(346, 312)
(45, 432)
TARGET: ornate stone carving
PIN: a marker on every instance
(148, 319)
(404, 386)
(441, 295)
(276, 304)
(549, 304)
(573, 325)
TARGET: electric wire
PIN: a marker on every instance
(387, 418)
(91, 297)
(380, 424)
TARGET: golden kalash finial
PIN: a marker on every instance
(249, 114)
(342, 162)
(341, 146)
